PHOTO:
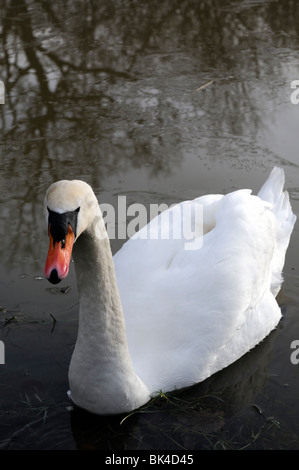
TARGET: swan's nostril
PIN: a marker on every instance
(54, 278)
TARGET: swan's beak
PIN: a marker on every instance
(59, 257)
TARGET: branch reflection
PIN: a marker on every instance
(93, 88)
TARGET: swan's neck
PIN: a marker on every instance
(102, 378)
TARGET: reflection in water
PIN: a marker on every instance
(186, 420)
(111, 92)
(189, 419)
(94, 88)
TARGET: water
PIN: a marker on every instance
(160, 102)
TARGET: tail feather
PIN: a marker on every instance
(273, 192)
(273, 187)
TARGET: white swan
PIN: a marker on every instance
(171, 316)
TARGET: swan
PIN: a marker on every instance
(159, 316)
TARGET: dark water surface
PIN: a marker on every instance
(112, 92)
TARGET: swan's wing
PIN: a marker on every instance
(183, 307)
(170, 232)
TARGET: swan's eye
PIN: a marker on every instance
(59, 224)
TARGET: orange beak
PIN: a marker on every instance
(59, 257)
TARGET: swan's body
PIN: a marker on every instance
(171, 316)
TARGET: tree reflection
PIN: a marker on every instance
(65, 62)
(94, 84)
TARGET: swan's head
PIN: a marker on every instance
(70, 208)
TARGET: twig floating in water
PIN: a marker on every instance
(64, 290)
(54, 322)
(203, 86)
